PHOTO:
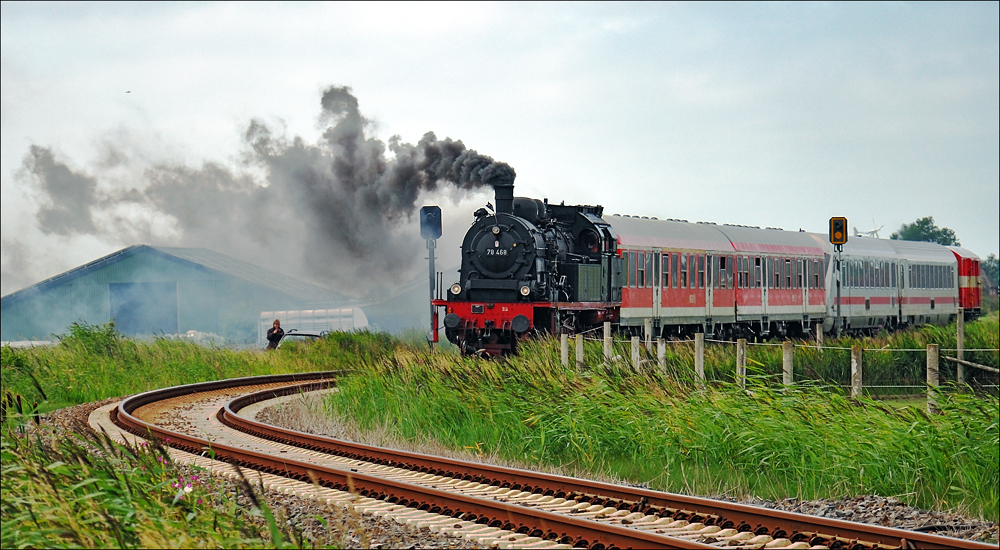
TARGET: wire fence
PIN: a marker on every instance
(879, 371)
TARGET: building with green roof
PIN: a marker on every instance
(159, 290)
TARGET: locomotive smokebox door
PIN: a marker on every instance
(430, 222)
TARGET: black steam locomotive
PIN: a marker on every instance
(531, 266)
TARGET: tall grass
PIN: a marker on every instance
(61, 494)
(94, 362)
(887, 359)
(807, 441)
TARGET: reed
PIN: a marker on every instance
(60, 493)
(659, 429)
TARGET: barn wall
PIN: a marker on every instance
(206, 300)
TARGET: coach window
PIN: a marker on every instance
(631, 268)
(708, 270)
(756, 272)
(655, 273)
(665, 262)
(640, 270)
(674, 269)
(716, 272)
(892, 274)
(684, 270)
(694, 271)
(625, 269)
(649, 270)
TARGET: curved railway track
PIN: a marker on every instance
(492, 505)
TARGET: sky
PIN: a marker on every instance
(125, 123)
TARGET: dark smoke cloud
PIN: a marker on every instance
(71, 195)
(330, 212)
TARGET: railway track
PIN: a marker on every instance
(504, 507)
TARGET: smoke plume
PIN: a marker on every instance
(330, 212)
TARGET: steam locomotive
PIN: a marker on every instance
(533, 267)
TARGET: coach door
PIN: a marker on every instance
(657, 283)
(710, 261)
(765, 284)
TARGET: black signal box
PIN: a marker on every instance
(430, 222)
(838, 230)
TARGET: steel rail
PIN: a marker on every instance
(581, 533)
(776, 523)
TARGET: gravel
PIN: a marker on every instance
(352, 530)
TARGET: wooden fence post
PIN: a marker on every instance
(787, 363)
(564, 347)
(661, 354)
(647, 327)
(607, 342)
(855, 372)
(960, 352)
(741, 362)
(579, 351)
(819, 336)
(635, 353)
(699, 357)
(933, 351)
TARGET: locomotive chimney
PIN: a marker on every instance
(504, 198)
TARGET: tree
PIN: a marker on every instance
(926, 230)
(991, 268)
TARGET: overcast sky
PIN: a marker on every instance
(761, 114)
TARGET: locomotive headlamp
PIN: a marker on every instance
(456, 289)
(525, 290)
(496, 230)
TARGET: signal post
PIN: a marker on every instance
(838, 237)
(430, 230)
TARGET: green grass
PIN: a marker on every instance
(807, 441)
(882, 366)
(59, 493)
(95, 362)
(650, 427)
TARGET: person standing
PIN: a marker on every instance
(274, 335)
